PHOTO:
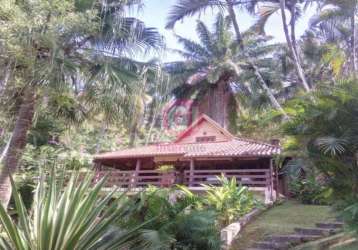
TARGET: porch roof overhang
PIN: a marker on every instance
(235, 148)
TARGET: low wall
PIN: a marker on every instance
(229, 233)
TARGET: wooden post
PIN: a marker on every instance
(97, 168)
(191, 173)
(136, 173)
(271, 179)
(277, 182)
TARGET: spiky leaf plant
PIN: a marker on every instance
(67, 215)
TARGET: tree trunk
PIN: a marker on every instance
(232, 15)
(150, 110)
(102, 134)
(17, 144)
(218, 102)
(293, 32)
(268, 91)
(133, 135)
(153, 119)
(355, 177)
(296, 61)
(5, 150)
(262, 81)
(353, 42)
(5, 79)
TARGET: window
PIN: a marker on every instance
(205, 139)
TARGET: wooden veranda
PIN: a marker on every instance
(200, 154)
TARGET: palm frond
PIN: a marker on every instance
(205, 36)
(187, 8)
(331, 145)
(264, 13)
(193, 48)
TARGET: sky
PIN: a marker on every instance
(155, 12)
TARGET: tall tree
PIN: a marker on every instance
(268, 7)
(339, 19)
(185, 8)
(214, 64)
(52, 41)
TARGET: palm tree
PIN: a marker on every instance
(185, 8)
(324, 50)
(214, 64)
(268, 7)
(337, 18)
(60, 41)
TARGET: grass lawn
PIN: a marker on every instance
(282, 219)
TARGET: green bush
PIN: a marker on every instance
(197, 230)
(310, 191)
(349, 212)
(324, 129)
(26, 188)
(228, 200)
(176, 218)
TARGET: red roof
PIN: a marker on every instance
(233, 148)
(230, 147)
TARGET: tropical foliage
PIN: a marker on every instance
(74, 216)
(309, 190)
(176, 219)
(185, 8)
(216, 68)
(228, 200)
(72, 59)
(184, 220)
(71, 86)
(327, 133)
(324, 133)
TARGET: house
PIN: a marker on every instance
(201, 152)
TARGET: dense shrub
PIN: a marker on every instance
(324, 127)
(228, 200)
(26, 188)
(350, 212)
(310, 191)
(180, 225)
(197, 230)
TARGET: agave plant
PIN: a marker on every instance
(67, 215)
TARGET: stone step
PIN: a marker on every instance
(284, 242)
(293, 238)
(315, 231)
(331, 225)
(264, 245)
(257, 249)
(306, 238)
(272, 245)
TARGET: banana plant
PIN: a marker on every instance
(229, 200)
